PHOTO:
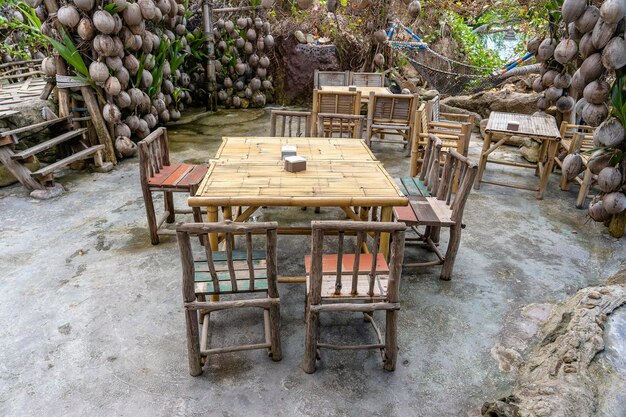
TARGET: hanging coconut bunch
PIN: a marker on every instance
(139, 54)
(242, 65)
(585, 59)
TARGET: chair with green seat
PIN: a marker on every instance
(427, 181)
(242, 273)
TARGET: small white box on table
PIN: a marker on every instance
(288, 150)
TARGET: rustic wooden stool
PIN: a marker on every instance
(370, 284)
(157, 174)
(231, 271)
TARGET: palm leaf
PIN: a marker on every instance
(70, 54)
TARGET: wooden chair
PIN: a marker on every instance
(157, 174)
(367, 79)
(576, 139)
(348, 102)
(340, 125)
(234, 272)
(426, 183)
(390, 114)
(434, 113)
(290, 123)
(443, 210)
(454, 135)
(330, 78)
(370, 285)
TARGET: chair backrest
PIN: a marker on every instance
(367, 79)
(359, 232)
(576, 138)
(432, 109)
(340, 125)
(391, 108)
(231, 271)
(290, 123)
(463, 168)
(330, 78)
(345, 102)
(153, 153)
(429, 173)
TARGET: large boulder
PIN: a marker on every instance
(505, 100)
(297, 63)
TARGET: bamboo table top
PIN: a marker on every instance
(335, 181)
(256, 149)
(533, 126)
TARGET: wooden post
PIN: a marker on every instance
(189, 296)
(91, 101)
(19, 171)
(393, 296)
(617, 226)
(207, 17)
(313, 298)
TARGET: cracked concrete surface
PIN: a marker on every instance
(93, 323)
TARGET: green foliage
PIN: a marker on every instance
(157, 71)
(471, 47)
(618, 99)
(177, 55)
(21, 37)
(139, 75)
(70, 54)
(111, 8)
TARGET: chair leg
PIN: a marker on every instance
(391, 340)
(453, 248)
(193, 343)
(584, 188)
(152, 226)
(168, 198)
(564, 183)
(310, 344)
(277, 352)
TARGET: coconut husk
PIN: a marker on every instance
(572, 166)
(112, 86)
(104, 22)
(614, 54)
(598, 161)
(68, 16)
(572, 9)
(596, 210)
(610, 179)
(98, 71)
(546, 49)
(597, 92)
(132, 14)
(602, 33)
(565, 51)
(592, 68)
(595, 114)
(111, 113)
(614, 202)
(587, 21)
(85, 29)
(612, 11)
(610, 133)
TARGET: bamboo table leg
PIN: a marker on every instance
(483, 160)
(547, 168)
(385, 216)
(212, 218)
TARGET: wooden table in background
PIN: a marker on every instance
(365, 91)
(544, 129)
(343, 173)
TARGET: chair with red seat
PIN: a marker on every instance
(157, 174)
(349, 281)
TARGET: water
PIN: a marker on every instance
(506, 49)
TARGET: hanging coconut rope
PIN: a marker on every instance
(449, 76)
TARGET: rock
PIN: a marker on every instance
(32, 112)
(530, 151)
(310, 38)
(106, 167)
(557, 378)
(6, 178)
(426, 95)
(504, 100)
(483, 127)
(298, 62)
(300, 36)
(48, 193)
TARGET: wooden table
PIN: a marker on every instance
(343, 173)
(256, 149)
(544, 129)
(365, 91)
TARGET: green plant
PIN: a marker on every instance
(474, 51)
(71, 55)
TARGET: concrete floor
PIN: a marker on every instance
(92, 322)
